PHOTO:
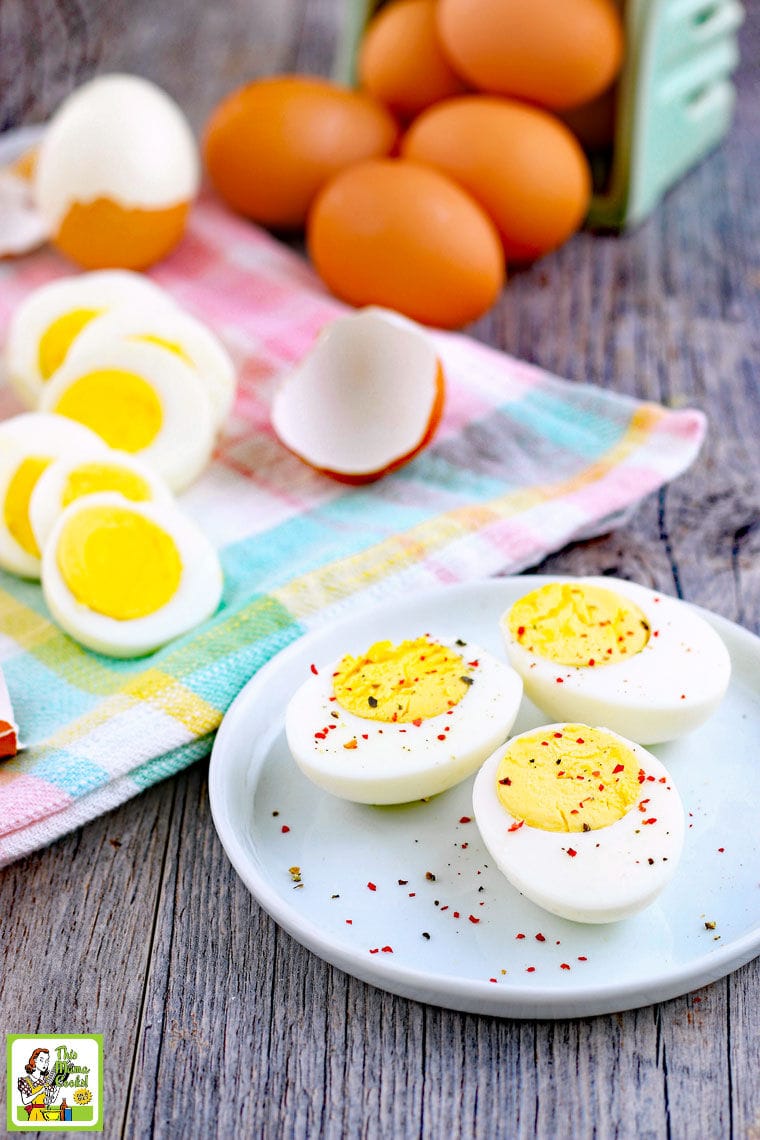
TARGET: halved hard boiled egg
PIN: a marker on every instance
(90, 471)
(580, 820)
(123, 578)
(29, 443)
(365, 400)
(177, 332)
(400, 722)
(141, 399)
(117, 171)
(611, 652)
(46, 324)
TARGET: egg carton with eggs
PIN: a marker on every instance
(671, 104)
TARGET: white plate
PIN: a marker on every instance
(270, 819)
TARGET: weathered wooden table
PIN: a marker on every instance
(216, 1023)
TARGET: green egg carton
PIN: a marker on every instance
(674, 98)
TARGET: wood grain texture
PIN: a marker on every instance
(216, 1022)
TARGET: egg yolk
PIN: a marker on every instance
(122, 407)
(576, 779)
(102, 234)
(57, 339)
(401, 683)
(578, 625)
(117, 562)
(16, 505)
(171, 346)
(89, 478)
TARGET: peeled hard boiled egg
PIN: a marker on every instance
(396, 233)
(177, 332)
(139, 398)
(88, 471)
(555, 54)
(365, 400)
(29, 443)
(116, 173)
(271, 145)
(123, 578)
(611, 652)
(580, 820)
(400, 722)
(521, 164)
(47, 322)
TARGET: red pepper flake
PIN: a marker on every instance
(375, 951)
(492, 979)
(572, 852)
(465, 819)
(650, 779)
(540, 937)
(349, 922)
(284, 829)
(516, 825)
(559, 680)
(473, 919)
(544, 743)
(412, 894)
(521, 631)
(652, 820)
(403, 882)
(683, 696)
(564, 966)
(597, 774)
(371, 887)
(441, 736)
(320, 735)
(387, 949)
(642, 775)
(314, 670)
(473, 664)
(591, 661)
(445, 907)
(417, 721)
(464, 846)
(456, 914)
(580, 740)
(618, 768)
(663, 779)
(365, 736)
(557, 735)
(506, 781)
(518, 936)
(721, 850)
(643, 805)
(530, 969)
(582, 958)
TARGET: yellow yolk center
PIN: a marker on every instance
(56, 341)
(118, 563)
(169, 345)
(16, 505)
(571, 779)
(411, 681)
(88, 478)
(578, 625)
(122, 407)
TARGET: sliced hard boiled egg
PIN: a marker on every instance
(88, 472)
(177, 332)
(46, 324)
(123, 578)
(141, 399)
(365, 400)
(400, 722)
(117, 170)
(29, 443)
(611, 652)
(580, 820)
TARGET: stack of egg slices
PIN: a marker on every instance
(129, 393)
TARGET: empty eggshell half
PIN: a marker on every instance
(365, 400)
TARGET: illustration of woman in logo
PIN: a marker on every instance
(39, 1089)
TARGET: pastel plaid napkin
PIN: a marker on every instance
(522, 464)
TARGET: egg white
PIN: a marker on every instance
(669, 688)
(39, 435)
(103, 289)
(610, 875)
(398, 762)
(185, 441)
(196, 598)
(204, 351)
(46, 505)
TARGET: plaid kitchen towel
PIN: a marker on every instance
(522, 464)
